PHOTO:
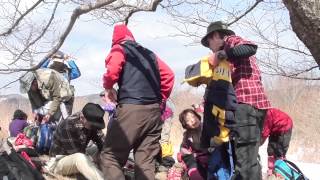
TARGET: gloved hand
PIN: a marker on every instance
(221, 55)
(189, 160)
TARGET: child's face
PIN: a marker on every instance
(192, 121)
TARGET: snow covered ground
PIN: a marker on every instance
(310, 170)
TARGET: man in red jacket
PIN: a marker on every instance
(278, 127)
(145, 82)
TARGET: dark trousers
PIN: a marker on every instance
(278, 144)
(246, 140)
(136, 127)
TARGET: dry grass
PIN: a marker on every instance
(299, 99)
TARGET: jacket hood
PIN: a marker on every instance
(121, 33)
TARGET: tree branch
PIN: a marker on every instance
(40, 36)
(293, 77)
(19, 19)
(83, 9)
(8, 84)
(153, 7)
(245, 13)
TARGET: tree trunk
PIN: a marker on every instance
(305, 22)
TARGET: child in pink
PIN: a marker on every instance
(194, 157)
(278, 127)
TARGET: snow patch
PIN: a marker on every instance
(310, 170)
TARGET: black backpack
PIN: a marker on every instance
(15, 167)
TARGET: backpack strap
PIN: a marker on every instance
(229, 150)
(286, 173)
(296, 168)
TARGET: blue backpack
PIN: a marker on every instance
(288, 170)
(220, 163)
(45, 135)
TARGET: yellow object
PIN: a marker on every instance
(166, 149)
(222, 71)
(202, 73)
(223, 136)
(199, 73)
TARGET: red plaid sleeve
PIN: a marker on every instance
(246, 77)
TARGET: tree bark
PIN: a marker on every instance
(305, 22)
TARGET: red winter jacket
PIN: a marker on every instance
(276, 122)
(116, 60)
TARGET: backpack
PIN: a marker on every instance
(45, 135)
(31, 132)
(199, 73)
(220, 163)
(15, 167)
(66, 92)
(288, 170)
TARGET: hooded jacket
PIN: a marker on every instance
(276, 122)
(118, 63)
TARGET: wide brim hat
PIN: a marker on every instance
(94, 115)
(218, 26)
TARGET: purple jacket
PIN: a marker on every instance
(16, 126)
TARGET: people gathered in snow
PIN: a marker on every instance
(221, 143)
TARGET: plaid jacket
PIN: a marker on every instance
(71, 137)
(246, 77)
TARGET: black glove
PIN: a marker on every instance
(189, 160)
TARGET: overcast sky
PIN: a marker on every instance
(90, 42)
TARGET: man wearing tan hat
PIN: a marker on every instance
(252, 101)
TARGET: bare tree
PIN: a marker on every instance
(32, 31)
(265, 22)
(305, 22)
(27, 35)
